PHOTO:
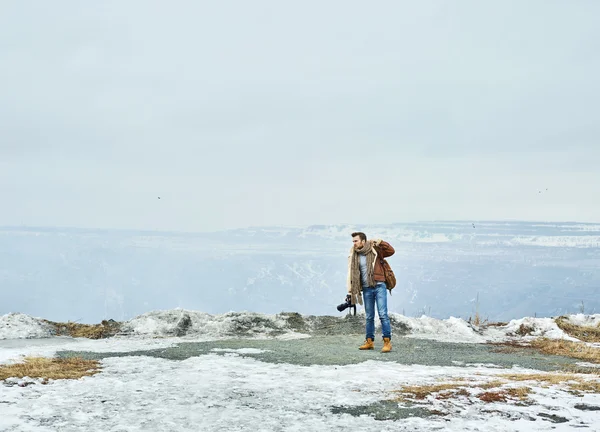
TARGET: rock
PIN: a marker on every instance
(553, 418)
(183, 325)
(585, 407)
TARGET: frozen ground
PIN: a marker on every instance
(237, 384)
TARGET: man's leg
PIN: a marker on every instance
(382, 311)
(369, 301)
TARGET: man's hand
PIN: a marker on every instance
(349, 298)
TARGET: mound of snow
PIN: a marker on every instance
(458, 330)
(447, 330)
(180, 322)
(529, 328)
(21, 326)
(584, 320)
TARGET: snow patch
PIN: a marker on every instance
(448, 330)
(530, 328)
(584, 320)
(192, 323)
(21, 326)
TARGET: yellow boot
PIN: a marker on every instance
(367, 345)
(387, 345)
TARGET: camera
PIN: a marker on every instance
(347, 304)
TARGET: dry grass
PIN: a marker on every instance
(503, 395)
(520, 393)
(498, 390)
(586, 386)
(497, 396)
(497, 324)
(584, 333)
(478, 321)
(50, 368)
(574, 382)
(525, 330)
(567, 348)
(460, 388)
(491, 384)
(422, 391)
(91, 331)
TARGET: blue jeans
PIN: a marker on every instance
(372, 295)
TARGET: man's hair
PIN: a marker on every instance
(362, 235)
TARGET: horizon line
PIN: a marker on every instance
(252, 227)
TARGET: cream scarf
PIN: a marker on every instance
(354, 270)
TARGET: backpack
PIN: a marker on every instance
(390, 277)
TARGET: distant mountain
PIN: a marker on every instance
(514, 269)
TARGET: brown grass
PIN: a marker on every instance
(502, 395)
(497, 324)
(421, 392)
(91, 331)
(497, 396)
(567, 348)
(574, 382)
(584, 333)
(546, 378)
(525, 330)
(497, 390)
(491, 384)
(459, 388)
(50, 368)
(520, 393)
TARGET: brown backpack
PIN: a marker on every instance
(390, 277)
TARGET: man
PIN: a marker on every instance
(365, 275)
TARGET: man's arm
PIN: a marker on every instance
(386, 249)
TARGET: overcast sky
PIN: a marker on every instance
(271, 113)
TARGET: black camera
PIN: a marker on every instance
(348, 303)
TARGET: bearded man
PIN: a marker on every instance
(366, 279)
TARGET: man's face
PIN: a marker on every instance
(358, 243)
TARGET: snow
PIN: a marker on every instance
(18, 325)
(165, 322)
(238, 393)
(15, 350)
(229, 389)
(584, 320)
(203, 326)
(458, 330)
(540, 327)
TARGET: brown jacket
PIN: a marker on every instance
(382, 250)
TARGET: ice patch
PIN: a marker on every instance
(241, 350)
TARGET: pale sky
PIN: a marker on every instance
(277, 113)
